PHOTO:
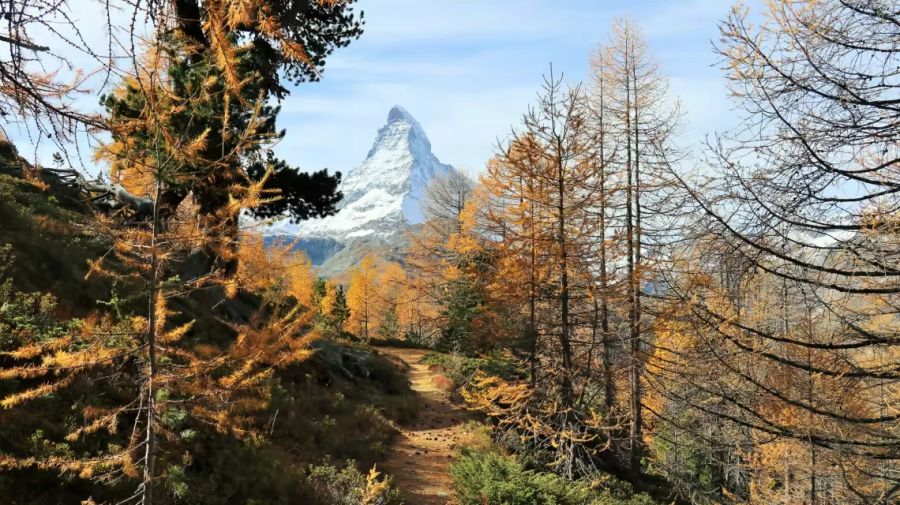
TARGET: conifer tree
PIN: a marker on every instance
(558, 128)
(447, 262)
(607, 185)
(517, 192)
(785, 294)
(169, 377)
(228, 55)
(542, 213)
(333, 305)
(362, 300)
(389, 300)
(639, 118)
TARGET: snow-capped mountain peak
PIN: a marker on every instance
(401, 130)
(384, 194)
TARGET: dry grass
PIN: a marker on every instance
(443, 383)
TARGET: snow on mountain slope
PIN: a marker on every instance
(384, 194)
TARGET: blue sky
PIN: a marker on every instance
(467, 69)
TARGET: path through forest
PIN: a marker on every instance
(420, 459)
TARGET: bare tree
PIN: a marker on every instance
(802, 214)
(641, 119)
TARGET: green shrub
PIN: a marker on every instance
(607, 498)
(691, 462)
(476, 436)
(349, 486)
(461, 368)
(489, 478)
(408, 341)
(486, 477)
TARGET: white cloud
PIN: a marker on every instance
(467, 69)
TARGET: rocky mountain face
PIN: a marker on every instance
(383, 198)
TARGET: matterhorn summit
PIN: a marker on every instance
(383, 196)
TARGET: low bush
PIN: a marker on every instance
(609, 498)
(462, 368)
(405, 342)
(349, 486)
(487, 477)
(481, 478)
(442, 382)
(476, 436)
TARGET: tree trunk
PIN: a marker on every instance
(567, 391)
(634, 432)
(152, 371)
(608, 385)
(636, 336)
(532, 295)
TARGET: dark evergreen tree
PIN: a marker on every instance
(234, 57)
(340, 312)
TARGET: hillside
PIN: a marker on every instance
(342, 392)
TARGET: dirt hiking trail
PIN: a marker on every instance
(420, 458)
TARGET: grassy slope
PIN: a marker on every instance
(340, 404)
(45, 230)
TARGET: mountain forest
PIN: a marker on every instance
(602, 314)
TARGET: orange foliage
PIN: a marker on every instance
(362, 299)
